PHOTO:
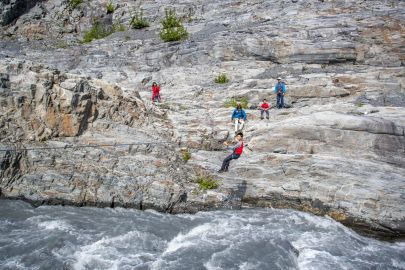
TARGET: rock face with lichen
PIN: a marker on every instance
(339, 149)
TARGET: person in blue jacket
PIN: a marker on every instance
(280, 90)
(238, 117)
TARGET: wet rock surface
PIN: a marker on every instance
(339, 149)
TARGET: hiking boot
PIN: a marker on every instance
(221, 171)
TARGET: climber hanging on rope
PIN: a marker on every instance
(237, 151)
(155, 93)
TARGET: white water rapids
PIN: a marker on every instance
(56, 237)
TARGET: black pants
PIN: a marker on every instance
(227, 160)
(262, 113)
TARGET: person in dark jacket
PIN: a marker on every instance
(237, 151)
(238, 117)
(280, 90)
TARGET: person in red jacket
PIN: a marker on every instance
(264, 108)
(155, 92)
(237, 151)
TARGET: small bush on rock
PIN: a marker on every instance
(172, 28)
(137, 21)
(110, 8)
(234, 101)
(186, 155)
(75, 3)
(171, 20)
(97, 31)
(221, 78)
(118, 27)
(206, 181)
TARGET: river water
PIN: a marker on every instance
(56, 237)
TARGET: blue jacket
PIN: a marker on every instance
(239, 114)
(282, 87)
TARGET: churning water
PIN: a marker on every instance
(56, 237)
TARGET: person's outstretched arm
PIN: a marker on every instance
(236, 145)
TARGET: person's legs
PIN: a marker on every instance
(225, 163)
(236, 121)
(261, 114)
(241, 123)
(281, 101)
(267, 114)
(227, 160)
(278, 101)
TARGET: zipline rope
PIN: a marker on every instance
(82, 146)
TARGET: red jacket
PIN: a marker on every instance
(265, 106)
(238, 150)
(156, 89)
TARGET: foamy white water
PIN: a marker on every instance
(56, 237)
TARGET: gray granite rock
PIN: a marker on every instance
(337, 150)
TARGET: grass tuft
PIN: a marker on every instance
(186, 155)
(110, 8)
(206, 181)
(75, 3)
(118, 27)
(98, 31)
(234, 101)
(138, 21)
(221, 78)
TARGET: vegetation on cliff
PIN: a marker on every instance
(172, 27)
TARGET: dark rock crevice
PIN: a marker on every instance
(10, 10)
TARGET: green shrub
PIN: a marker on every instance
(206, 181)
(97, 31)
(171, 20)
(118, 27)
(75, 3)
(172, 28)
(110, 8)
(186, 155)
(234, 101)
(173, 34)
(138, 21)
(221, 78)
(360, 104)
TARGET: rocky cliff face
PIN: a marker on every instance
(338, 150)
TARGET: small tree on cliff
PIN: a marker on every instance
(172, 28)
